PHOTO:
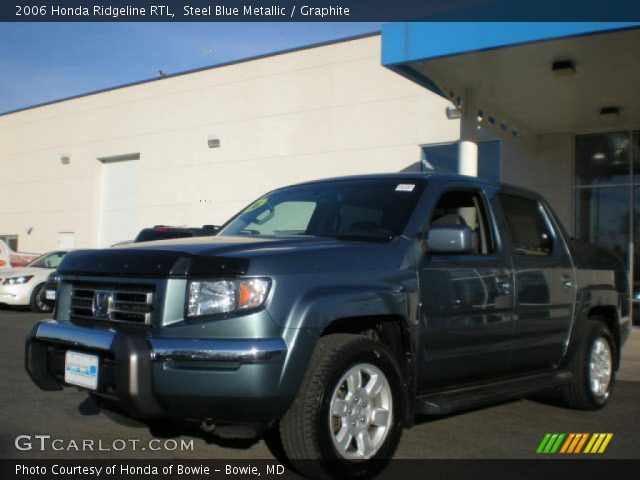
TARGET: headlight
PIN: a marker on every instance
(225, 296)
(17, 280)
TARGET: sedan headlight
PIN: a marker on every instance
(17, 280)
(226, 296)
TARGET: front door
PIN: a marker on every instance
(466, 300)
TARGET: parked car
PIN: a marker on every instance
(337, 310)
(9, 258)
(50, 289)
(24, 286)
(164, 232)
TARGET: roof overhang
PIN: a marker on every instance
(508, 67)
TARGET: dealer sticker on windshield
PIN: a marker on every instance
(405, 187)
(256, 205)
(81, 369)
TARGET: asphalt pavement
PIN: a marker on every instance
(506, 431)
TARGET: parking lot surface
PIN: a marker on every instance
(509, 430)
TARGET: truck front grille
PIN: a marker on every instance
(132, 304)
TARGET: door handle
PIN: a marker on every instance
(567, 281)
(503, 283)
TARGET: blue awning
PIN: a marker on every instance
(508, 67)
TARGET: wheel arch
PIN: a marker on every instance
(608, 314)
(393, 332)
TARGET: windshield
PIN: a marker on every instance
(376, 210)
(48, 260)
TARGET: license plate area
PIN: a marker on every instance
(50, 294)
(81, 369)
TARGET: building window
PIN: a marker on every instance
(607, 197)
(443, 158)
(11, 241)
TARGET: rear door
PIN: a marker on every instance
(544, 283)
(466, 300)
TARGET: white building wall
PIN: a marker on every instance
(320, 112)
(544, 163)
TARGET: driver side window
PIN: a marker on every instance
(467, 208)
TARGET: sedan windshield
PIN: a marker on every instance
(375, 210)
(48, 260)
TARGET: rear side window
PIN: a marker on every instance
(527, 224)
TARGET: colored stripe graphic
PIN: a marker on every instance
(581, 442)
(550, 443)
(598, 442)
(543, 443)
(574, 443)
(567, 442)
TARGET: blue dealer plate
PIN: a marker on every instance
(81, 369)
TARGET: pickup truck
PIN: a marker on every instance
(338, 310)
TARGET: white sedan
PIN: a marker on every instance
(25, 285)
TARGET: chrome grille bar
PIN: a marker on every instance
(112, 303)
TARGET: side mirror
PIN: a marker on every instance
(453, 239)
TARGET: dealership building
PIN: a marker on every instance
(549, 106)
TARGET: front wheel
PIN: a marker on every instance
(347, 418)
(38, 301)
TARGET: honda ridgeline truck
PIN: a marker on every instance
(337, 310)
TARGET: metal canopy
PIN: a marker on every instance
(507, 68)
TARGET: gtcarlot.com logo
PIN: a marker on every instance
(573, 443)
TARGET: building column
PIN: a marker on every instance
(468, 149)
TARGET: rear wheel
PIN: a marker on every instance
(593, 367)
(38, 301)
(347, 419)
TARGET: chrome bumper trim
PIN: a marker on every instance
(72, 335)
(233, 350)
(168, 349)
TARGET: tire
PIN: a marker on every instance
(310, 433)
(593, 366)
(37, 303)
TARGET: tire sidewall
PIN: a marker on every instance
(595, 333)
(38, 291)
(380, 357)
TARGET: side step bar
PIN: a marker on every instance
(443, 403)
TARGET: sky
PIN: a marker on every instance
(42, 62)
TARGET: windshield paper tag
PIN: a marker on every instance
(256, 205)
(405, 187)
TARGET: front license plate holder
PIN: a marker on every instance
(81, 369)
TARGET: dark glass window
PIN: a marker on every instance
(604, 159)
(527, 225)
(607, 198)
(602, 216)
(444, 159)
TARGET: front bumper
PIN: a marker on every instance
(221, 380)
(16, 294)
